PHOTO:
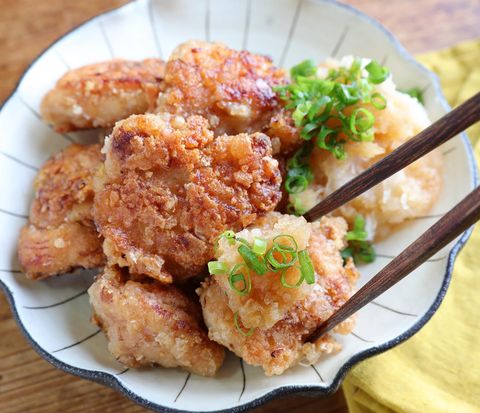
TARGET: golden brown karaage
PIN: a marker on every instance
(98, 95)
(149, 323)
(168, 189)
(231, 89)
(408, 194)
(273, 320)
(60, 234)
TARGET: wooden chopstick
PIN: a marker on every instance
(437, 133)
(451, 225)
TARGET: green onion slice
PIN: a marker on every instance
(305, 68)
(361, 121)
(301, 156)
(259, 246)
(366, 253)
(284, 246)
(284, 281)
(314, 113)
(240, 273)
(306, 267)
(416, 93)
(358, 232)
(217, 268)
(287, 260)
(359, 248)
(326, 137)
(296, 183)
(252, 260)
(239, 329)
(288, 253)
(347, 253)
(300, 112)
(229, 236)
(376, 72)
(378, 101)
(347, 94)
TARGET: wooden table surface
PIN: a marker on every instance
(30, 384)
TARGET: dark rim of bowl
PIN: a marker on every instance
(113, 382)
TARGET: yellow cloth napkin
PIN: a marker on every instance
(438, 369)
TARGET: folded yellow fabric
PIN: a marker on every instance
(437, 370)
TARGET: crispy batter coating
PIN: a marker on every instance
(60, 234)
(169, 189)
(100, 94)
(149, 323)
(232, 89)
(283, 132)
(282, 317)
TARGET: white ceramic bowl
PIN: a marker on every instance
(54, 314)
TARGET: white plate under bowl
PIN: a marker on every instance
(54, 314)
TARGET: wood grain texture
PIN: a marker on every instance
(425, 25)
(30, 384)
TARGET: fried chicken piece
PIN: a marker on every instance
(169, 189)
(283, 132)
(408, 194)
(60, 234)
(98, 95)
(281, 318)
(149, 323)
(232, 89)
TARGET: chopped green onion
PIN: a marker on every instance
(326, 138)
(229, 236)
(358, 232)
(217, 268)
(252, 260)
(328, 112)
(240, 273)
(326, 104)
(299, 173)
(361, 121)
(300, 112)
(305, 69)
(347, 253)
(296, 183)
(288, 259)
(359, 248)
(298, 178)
(281, 257)
(287, 253)
(306, 267)
(347, 94)
(301, 157)
(282, 247)
(416, 93)
(376, 72)
(307, 130)
(259, 246)
(366, 253)
(284, 281)
(239, 329)
(378, 101)
(367, 136)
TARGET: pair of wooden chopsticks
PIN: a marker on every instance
(451, 225)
